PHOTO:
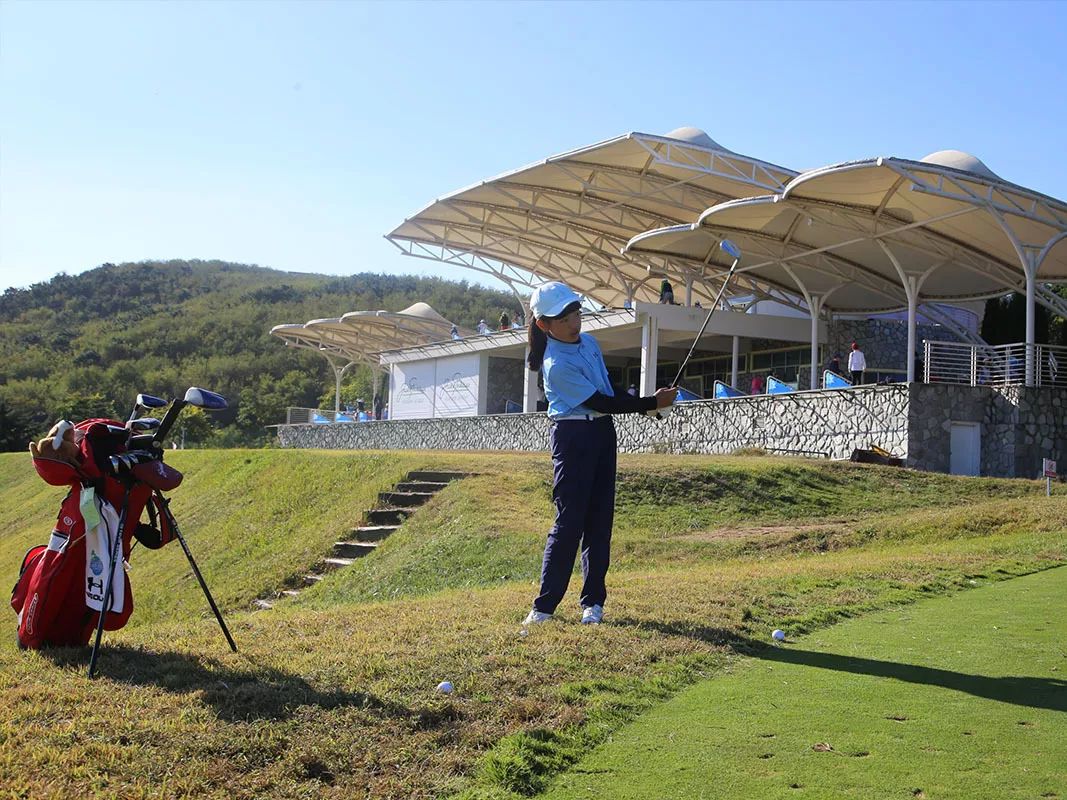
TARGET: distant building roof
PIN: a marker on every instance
(360, 336)
(568, 217)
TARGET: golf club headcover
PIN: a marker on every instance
(153, 472)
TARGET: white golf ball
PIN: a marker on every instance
(778, 636)
(445, 687)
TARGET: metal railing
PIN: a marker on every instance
(994, 365)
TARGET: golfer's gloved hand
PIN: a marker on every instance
(665, 396)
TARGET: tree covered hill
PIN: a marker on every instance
(84, 345)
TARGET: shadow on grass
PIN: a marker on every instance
(1020, 690)
(255, 693)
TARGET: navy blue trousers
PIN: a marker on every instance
(583, 490)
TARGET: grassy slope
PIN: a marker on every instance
(333, 695)
(960, 697)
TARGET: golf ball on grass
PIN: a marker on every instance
(778, 636)
(445, 687)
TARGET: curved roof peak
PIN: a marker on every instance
(425, 311)
(957, 159)
(688, 133)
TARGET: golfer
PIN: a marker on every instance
(580, 402)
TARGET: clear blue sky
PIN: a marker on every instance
(294, 135)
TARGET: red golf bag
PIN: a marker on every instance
(58, 581)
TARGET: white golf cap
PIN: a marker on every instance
(549, 299)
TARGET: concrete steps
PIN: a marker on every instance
(372, 533)
(394, 508)
(404, 499)
(354, 550)
(388, 516)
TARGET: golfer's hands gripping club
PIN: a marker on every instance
(664, 400)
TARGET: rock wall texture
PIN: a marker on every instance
(1019, 427)
(829, 423)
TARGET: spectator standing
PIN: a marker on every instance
(666, 293)
(857, 364)
(454, 333)
(378, 404)
(757, 385)
(505, 321)
(483, 328)
(632, 391)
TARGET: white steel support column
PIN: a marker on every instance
(913, 309)
(529, 386)
(735, 350)
(649, 355)
(814, 307)
(912, 284)
(1031, 286)
(689, 291)
(338, 374)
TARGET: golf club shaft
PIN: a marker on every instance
(116, 552)
(707, 319)
(165, 504)
(168, 421)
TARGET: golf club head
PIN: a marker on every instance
(150, 401)
(730, 249)
(143, 424)
(202, 398)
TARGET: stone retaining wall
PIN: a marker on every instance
(831, 423)
(1020, 426)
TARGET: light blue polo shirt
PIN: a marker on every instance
(571, 373)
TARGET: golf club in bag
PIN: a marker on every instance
(734, 252)
(62, 593)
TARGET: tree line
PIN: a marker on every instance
(81, 346)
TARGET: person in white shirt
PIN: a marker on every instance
(857, 364)
(483, 328)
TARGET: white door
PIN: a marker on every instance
(965, 448)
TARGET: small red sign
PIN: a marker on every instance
(1048, 468)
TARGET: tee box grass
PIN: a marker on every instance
(961, 697)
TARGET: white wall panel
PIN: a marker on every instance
(411, 390)
(459, 385)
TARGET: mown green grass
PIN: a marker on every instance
(962, 697)
(334, 695)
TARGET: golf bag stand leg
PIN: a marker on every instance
(116, 553)
(164, 504)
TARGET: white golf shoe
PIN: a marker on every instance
(535, 617)
(592, 615)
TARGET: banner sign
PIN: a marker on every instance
(1048, 468)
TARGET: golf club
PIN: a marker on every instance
(734, 252)
(145, 401)
(194, 396)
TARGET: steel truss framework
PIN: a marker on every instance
(856, 225)
(568, 218)
(359, 337)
